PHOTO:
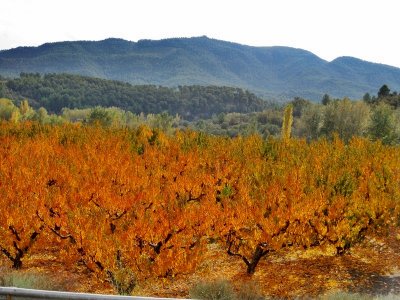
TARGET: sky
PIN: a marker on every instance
(366, 29)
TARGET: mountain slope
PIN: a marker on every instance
(278, 72)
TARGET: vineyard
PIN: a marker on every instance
(132, 205)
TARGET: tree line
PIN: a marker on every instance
(57, 91)
(214, 110)
(376, 117)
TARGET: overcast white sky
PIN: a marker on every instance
(367, 29)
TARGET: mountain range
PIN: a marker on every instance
(277, 73)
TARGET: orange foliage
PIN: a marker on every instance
(143, 204)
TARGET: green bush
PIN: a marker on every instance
(222, 289)
(216, 290)
(28, 280)
(346, 296)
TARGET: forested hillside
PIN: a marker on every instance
(55, 99)
(57, 91)
(274, 72)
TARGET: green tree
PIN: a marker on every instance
(311, 122)
(299, 106)
(100, 116)
(27, 112)
(384, 91)
(163, 121)
(383, 124)
(326, 99)
(7, 109)
(76, 115)
(41, 115)
(368, 99)
(1, 89)
(346, 118)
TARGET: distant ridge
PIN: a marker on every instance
(273, 72)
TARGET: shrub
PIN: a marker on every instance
(346, 296)
(28, 280)
(249, 291)
(217, 290)
(388, 297)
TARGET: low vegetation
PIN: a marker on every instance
(217, 290)
(222, 289)
(29, 280)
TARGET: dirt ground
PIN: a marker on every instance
(372, 267)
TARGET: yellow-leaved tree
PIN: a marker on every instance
(287, 122)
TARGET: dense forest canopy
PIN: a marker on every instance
(57, 91)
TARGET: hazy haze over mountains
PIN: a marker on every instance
(273, 72)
